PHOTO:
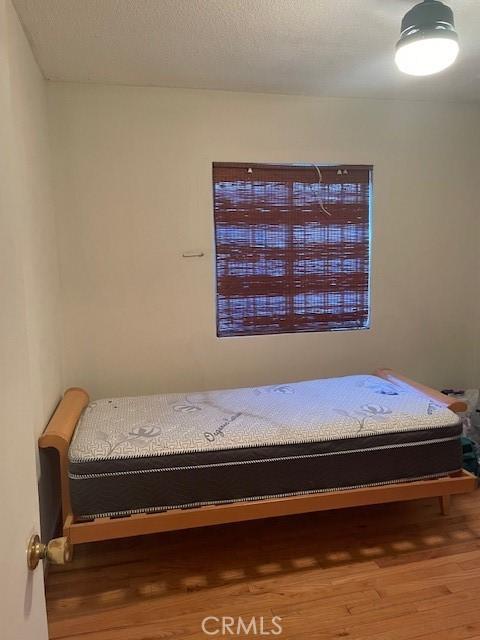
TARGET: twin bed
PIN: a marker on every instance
(132, 466)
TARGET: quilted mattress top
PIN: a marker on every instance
(315, 410)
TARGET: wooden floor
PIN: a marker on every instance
(387, 572)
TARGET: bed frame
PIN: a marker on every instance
(60, 429)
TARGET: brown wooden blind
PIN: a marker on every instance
(283, 264)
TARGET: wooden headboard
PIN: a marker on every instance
(455, 405)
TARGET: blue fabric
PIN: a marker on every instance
(470, 460)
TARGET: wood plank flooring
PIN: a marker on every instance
(384, 572)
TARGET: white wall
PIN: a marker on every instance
(133, 191)
(37, 246)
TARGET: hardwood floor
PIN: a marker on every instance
(384, 572)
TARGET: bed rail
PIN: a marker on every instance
(144, 523)
(455, 405)
(58, 435)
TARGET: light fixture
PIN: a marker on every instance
(428, 42)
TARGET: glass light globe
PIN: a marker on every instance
(426, 56)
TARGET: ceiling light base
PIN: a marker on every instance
(428, 42)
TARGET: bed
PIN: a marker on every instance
(139, 465)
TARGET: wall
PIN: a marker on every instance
(133, 191)
(30, 380)
(38, 249)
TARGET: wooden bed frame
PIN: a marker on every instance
(60, 429)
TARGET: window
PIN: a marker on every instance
(292, 248)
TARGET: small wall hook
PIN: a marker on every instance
(192, 254)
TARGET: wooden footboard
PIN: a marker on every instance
(59, 432)
(58, 435)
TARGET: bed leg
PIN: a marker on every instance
(444, 505)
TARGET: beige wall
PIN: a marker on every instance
(133, 191)
(37, 247)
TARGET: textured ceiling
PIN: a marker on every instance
(313, 47)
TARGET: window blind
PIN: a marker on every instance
(292, 247)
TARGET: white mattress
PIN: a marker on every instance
(315, 410)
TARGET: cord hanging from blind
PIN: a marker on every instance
(285, 261)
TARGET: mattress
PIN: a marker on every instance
(159, 452)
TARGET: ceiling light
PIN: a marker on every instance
(428, 42)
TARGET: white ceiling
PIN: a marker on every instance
(313, 47)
